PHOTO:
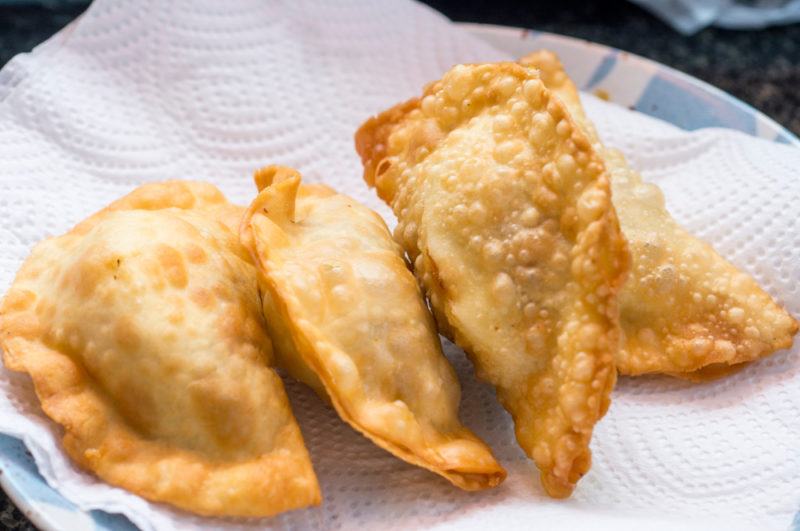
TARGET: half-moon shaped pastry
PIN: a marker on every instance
(505, 211)
(336, 285)
(142, 331)
(685, 310)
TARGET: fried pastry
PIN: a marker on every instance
(142, 331)
(356, 328)
(505, 210)
(685, 310)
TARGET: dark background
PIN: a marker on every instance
(760, 67)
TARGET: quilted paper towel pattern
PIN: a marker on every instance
(142, 91)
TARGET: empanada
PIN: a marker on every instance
(505, 211)
(685, 310)
(335, 283)
(143, 333)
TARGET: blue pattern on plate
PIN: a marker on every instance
(117, 522)
(689, 107)
(20, 469)
(17, 462)
(602, 71)
(655, 89)
(669, 95)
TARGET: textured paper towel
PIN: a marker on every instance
(144, 91)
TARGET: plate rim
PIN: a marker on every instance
(39, 518)
(519, 33)
(27, 505)
(24, 505)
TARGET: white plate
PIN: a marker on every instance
(629, 80)
(638, 83)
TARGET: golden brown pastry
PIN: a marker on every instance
(355, 326)
(505, 211)
(685, 310)
(143, 333)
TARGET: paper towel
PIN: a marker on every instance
(143, 91)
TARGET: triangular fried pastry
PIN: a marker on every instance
(685, 310)
(336, 284)
(142, 331)
(505, 211)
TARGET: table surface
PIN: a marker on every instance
(761, 68)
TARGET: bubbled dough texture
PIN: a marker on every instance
(139, 92)
(684, 307)
(525, 280)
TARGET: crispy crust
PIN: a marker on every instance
(449, 450)
(402, 151)
(702, 328)
(100, 438)
(710, 373)
(372, 138)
